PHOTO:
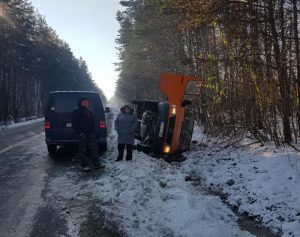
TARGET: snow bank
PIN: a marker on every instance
(146, 197)
(149, 197)
(152, 198)
(260, 181)
(20, 124)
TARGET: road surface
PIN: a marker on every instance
(28, 205)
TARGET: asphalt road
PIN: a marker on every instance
(16, 136)
(31, 198)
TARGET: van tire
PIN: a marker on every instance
(102, 148)
(52, 149)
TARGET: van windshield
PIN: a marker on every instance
(66, 103)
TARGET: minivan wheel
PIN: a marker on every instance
(102, 148)
(52, 149)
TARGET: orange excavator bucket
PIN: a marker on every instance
(174, 86)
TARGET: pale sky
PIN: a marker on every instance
(90, 28)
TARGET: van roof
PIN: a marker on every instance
(57, 92)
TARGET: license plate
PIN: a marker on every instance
(69, 125)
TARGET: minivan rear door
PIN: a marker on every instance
(59, 111)
(60, 107)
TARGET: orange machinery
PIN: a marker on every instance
(174, 87)
(166, 127)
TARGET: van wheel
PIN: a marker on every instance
(52, 149)
(102, 148)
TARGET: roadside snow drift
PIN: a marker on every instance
(20, 124)
(261, 181)
(145, 197)
(150, 197)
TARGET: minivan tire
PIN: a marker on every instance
(52, 149)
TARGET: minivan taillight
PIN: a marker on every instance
(102, 124)
(47, 125)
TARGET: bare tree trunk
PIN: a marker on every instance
(297, 52)
(280, 59)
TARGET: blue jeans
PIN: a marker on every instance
(88, 143)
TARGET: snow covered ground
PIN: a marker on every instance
(146, 197)
(150, 197)
(261, 181)
(20, 124)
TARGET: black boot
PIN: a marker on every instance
(121, 148)
(129, 149)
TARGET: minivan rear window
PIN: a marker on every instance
(67, 102)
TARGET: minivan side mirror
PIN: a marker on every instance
(107, 110)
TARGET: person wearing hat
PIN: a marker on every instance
(84, 125)
(125, 125)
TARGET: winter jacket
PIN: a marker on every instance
(125, 125)
(83, 121)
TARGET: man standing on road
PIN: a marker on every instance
(125, 125)
(84, 125)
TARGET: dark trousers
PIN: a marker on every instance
(121, 148)
(88, 145)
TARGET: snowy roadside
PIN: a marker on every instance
(146, 197)
(149, 197)
(20, 124)
(152, 198)
(260, 181)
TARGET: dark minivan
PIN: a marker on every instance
(58, 126)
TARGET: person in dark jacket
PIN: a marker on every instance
(125, 125)
(84, 125)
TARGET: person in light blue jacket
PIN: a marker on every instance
(125, 125)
